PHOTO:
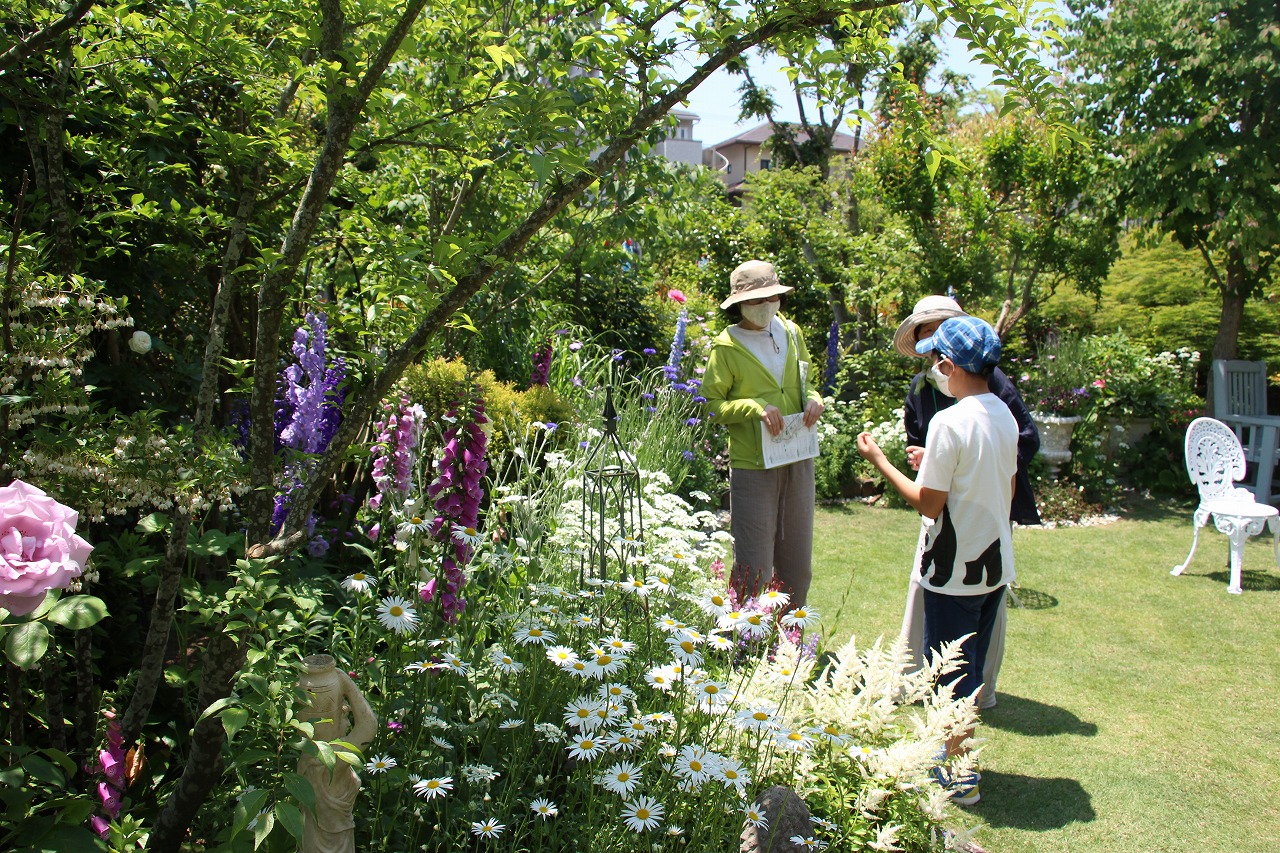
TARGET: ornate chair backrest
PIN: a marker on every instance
(1215, 459)
(1239, 388)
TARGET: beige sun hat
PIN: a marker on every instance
(928, 310)
(753, 280)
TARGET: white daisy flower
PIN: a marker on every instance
(359, 582)
(637, 587)
(477, 773)
(544, 808)
(822, 823)
(808, 842)
(415, 524)
(801, 617)
(642, 814)
(429, 789)
(712, 694)
(487, 828)
(640, 728)
(830, 733)
(714, 604)
(674, 831)
(661, 678)
(661, 718)
(583, 620)
(503, 662)
(684, 649)
(773, 599)
(752, 625)
(719, 642)
(511, 723)
(586, 748)
(622, 742)
(466, 535)
(534, 635)
(441, 742)
(452, 663)
(755, 816)
(615, 692)
(622, 778)
(581, 713)
(695, 764)
(579, 668)
(757, 719)
(660, 583)
(796, 741)
(380, 764)
(732, 774)
(561, 655)
(618, 644)
(603, 661)
(397, 614)
(418, 667)
(670, 624)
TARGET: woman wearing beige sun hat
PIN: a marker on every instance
(926, 396)
(757, 374)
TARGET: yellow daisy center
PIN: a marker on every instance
(396, 610)
(695, 766)
(642, 814)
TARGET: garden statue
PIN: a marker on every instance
(334, 699)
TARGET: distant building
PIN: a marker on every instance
(680, 146)
(748, 152)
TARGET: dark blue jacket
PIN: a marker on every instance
(924, 401)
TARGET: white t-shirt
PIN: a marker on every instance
(971, 453)
(769, 345)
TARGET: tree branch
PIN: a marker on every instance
(37, 40)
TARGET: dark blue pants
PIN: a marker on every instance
(947, 618)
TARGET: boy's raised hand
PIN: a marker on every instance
(868, 448)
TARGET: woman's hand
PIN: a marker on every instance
(914, 455)
(812, 411)
(772, 419)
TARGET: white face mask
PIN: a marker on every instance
(941, 380)
(760, 315)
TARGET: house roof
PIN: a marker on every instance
(761, 133)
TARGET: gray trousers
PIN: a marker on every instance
(771, 517)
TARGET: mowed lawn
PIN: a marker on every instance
(1137, 711)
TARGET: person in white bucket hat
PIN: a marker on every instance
(926, 396)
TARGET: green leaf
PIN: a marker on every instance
(932, 160)
(79, 611)
(27, 644)
(154, 523)
(300, 787)
(43, 770)
(233, 720)
(246, 810)
(291, 817)
(266, 823)
(224, 702)
(326, 754)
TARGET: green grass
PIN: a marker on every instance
(1137, 711)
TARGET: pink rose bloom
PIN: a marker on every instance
(39, 548)
(677, 296)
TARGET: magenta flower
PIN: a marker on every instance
(457, 494)
(110, 798)
(100, 826)
(39, 548)
(677, 296)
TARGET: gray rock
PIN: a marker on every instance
(787, 815)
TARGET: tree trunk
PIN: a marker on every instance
(1227, 343)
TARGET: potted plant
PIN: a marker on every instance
(1058, 388)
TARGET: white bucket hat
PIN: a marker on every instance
(928, 310)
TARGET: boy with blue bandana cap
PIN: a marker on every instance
(962, 491)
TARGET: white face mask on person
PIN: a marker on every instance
(940, 380)
(760, 315)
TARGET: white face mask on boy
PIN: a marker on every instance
(941, 380)
(760, 315)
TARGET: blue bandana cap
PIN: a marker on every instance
(970, 343)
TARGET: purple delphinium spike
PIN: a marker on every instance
(672, 370)
(833, 358)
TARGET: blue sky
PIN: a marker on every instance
(716, 100)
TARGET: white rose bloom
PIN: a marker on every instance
(140, 343)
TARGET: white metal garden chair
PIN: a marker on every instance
(1215, 461)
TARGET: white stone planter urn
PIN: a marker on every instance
(1055, 438)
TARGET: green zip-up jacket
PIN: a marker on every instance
(738, 387)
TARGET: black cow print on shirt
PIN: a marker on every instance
(941, 555)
